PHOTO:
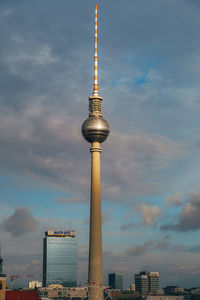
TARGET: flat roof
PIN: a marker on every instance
(61, 233)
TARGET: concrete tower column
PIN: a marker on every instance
(95, 272)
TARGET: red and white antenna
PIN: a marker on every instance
(95, 89)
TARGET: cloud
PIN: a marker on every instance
(149, 215)
(151, 245)
(131, 225)
(188, 219)
(46, 145)
(43, 102)
(174, 200)
(157, 246)
(139, 249)
(21, 222)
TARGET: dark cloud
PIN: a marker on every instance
(156, 246)
(45, 78)
(188, 218)
(139, 249)
(21, 222)
(152, 245)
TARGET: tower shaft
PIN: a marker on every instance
(95, 273)
(95, 130)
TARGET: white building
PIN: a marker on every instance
(34, 284)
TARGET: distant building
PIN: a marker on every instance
(34, 284)
(115, 281)
(153, 282)
(141, 283)
(2, 280)
(55, 291)
(132, 287)
(173, 290)
(149, 297)
(60, 258)
(147, 282)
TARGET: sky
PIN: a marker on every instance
(149, 62)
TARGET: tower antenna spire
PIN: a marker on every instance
(95, 87)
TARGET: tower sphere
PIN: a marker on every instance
(95, 129)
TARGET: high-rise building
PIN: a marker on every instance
(60, 258)
(95, 130)
(153, 282)
(147, 282)
(141, 283)
(115, 281)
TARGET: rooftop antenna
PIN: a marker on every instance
(70, 224)
(50, 225)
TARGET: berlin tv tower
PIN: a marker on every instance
(95, 130)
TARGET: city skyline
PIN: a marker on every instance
(149, 79)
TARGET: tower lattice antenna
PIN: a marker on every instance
(95, 88)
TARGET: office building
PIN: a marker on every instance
(147, 282)
(60, 258)
(153, 282)
(115, 281)
(141, 283)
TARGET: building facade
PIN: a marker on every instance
(60, 258)
(34, 284)
(173, 290)
(2, 280)
(153, 282)
(147, 282)
(115, 281)
(141, 283)
(56, 291)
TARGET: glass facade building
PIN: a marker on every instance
(60, 258)
(115, 281)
